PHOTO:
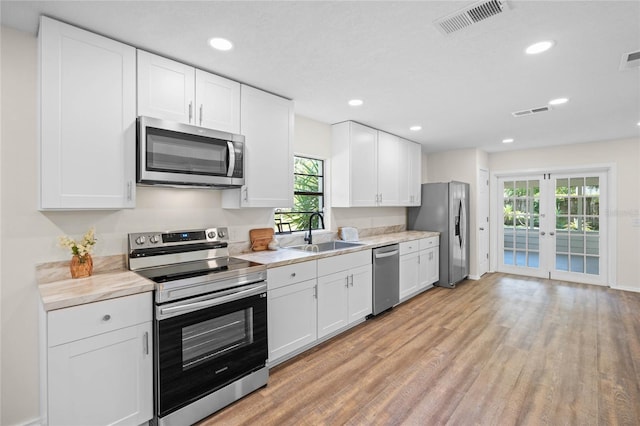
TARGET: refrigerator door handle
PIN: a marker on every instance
(460, 220)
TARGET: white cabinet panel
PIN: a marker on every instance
(166, 88)
(360, 293)
(344, 290)
(372, 168)
(333, 305)
(87, 121)
(266, 121)
(429, 267)
(99, 367)
(218, 102)
(409, 274)
(410, 173)
(389, 169)
(173, 91)
(102, 380)
(292, 321)
(354, 174)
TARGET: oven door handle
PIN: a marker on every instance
(184, 308)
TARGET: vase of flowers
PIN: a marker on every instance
(81, 264)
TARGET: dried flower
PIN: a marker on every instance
(82, 248)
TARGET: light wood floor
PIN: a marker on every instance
(504, 350)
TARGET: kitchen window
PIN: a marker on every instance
(308, 197)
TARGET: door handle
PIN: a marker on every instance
(482, 229)
(552, 233)
(542, 233)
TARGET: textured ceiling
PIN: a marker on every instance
(460, 88)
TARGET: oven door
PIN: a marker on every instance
(175, 153)
(205, 343)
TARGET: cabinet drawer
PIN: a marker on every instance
(426, 243)
(330, 265)
(409, 247)
(285, 275)
(78, 322)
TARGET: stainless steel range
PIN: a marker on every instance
(210, 328)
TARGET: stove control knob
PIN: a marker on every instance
(211, 234)
(221, 234)
(140, 240)
(154, 239)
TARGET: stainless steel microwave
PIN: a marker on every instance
(176, 154)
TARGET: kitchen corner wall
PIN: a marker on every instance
(29, 237)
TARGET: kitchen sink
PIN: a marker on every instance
(328, 246)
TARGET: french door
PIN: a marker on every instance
(552, 226)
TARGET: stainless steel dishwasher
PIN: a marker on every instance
(386, 277)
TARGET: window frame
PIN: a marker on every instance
(279, 225)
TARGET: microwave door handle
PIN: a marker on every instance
(231, 156)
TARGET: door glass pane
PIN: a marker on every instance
(578, 224)
(521, 223)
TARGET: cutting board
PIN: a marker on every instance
(260, 238)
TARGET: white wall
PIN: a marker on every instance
(625, 155)
(29, 237)
(461, 165)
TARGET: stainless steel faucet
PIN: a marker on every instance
(308, 238)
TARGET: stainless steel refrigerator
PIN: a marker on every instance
(445, 209)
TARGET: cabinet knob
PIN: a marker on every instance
(293, 274)
(107, 317)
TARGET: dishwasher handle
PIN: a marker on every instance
(386, 254)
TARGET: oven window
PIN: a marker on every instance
(210, 339)
(181, 153)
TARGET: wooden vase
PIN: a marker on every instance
(81, 266)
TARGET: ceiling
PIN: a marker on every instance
(461, 88)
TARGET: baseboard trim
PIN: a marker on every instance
(623, 288)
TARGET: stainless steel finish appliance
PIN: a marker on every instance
(176, 154)
(445, 209)
(210, 322)
(386, 278)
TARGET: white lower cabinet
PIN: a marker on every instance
(99, 363)
(409, 269)
(344, 290)
(312, 300)
(292, 308)
(419, 266)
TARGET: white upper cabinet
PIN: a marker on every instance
(390, 172)
(174, 91)
(267, 125)
(87, 119)
(371, 168)
(411, 173)
(166, 88)
(217, 102)
(354, 158)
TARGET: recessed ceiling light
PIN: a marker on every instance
(638, 123)
(558, 101)
(539, 47)
(415, 128)
(356, 102)
(507, 140)
(220, 44)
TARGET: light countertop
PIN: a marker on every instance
(111, 279)
(284, 256)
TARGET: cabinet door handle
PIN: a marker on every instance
(190, 111)
(129, 191)
(246, 193)
(315, 291)
(106, 318)
(146, 343)
(293, 275)
(201, 114)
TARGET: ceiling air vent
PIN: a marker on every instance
(630, 60)
(530, 111)
(470, 15)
